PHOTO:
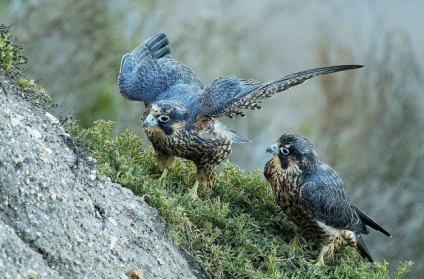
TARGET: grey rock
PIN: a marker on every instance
(56, 221)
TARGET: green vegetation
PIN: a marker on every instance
(34, 92)
(11, 56)
(10, 53)
(236, 230)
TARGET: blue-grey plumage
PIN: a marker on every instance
(313, 196)
(165, 85)
(149, 74)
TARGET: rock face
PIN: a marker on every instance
(59, 218)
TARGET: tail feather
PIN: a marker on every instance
(370, 222)
(239, 138)
(362, 248)
(221, 128)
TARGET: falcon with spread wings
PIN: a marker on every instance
(181, 112)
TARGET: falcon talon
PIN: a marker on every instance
(192, 193)
(181, 112)
(163, 178)
(313, 196)
(295, 243)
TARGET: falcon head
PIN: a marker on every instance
(166, 117)
(294, 153)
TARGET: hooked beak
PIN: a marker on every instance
(150, 121)
(273, 149)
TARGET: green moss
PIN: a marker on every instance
(33, 92)
(10, 52)
(11, 56)
(236, 230)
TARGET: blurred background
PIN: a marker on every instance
(368, 123)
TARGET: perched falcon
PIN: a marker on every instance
(313, 197)
(181, 112)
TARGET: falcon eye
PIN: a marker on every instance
(163, 118)
(284, 150)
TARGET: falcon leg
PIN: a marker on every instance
(205, 176)
(320, 260)
(164, 162)
(192, 193)
(295, 242)
(162, 178)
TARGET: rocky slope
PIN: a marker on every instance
(59, 218)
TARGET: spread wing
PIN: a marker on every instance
(227, 95)
(149, 71)
(326, 198)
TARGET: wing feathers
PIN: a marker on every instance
(330, 205)
(155, 47)
(326, 198)
(149, 71)
(229, 94)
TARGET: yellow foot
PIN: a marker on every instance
(162, 178)
(318, 262)
(278, 240)
(192, 193)
(295, 242)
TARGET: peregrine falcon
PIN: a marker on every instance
(314, 198)
(181, 112)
